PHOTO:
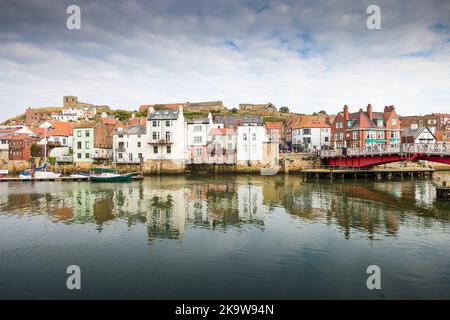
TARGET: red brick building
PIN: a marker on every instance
(365, 128)
(20, 146)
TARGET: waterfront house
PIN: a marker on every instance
(419, 135)
(197, 134)
(20, 146)
(251, 135)
(275, 131)
(310, 133)
(222, 146)
(131, 144)
(93, 141)
(166, 134)
(4, 146)
(365, 128)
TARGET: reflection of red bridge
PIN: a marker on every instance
(381, 154)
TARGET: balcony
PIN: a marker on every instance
(160, 141)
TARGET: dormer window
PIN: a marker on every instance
(349, 123)
(394, 121)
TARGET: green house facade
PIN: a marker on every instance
(83, 143)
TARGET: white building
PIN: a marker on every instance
(131, 145)
(311, 133)
(74, 114)
(166, 134)
(197, 137)
(419, 135)
(251, 135)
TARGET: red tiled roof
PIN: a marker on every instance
(311, 122)
(60, 128)
(274, 125)
(21, 136)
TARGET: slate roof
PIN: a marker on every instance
(164, 115)
(134, 129)
(238, 120)
(415, 132)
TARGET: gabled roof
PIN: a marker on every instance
(416, 132)
(311, 122)
(60, 128)
(134, 129)
(164, 115)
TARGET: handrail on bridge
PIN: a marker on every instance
(407, 148)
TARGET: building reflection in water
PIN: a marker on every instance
(166, 205)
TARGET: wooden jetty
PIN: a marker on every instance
(61, 179)
(442, 189)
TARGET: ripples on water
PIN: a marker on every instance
(226, 237)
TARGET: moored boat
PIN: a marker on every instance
(109, 175)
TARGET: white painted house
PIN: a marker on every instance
(166, 134)
(419, 135)
(251, 135)
(197, 134)
(131, 145)
(311, 133)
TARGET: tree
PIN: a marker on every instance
(35, 150)
(284, 110)
(234, 110)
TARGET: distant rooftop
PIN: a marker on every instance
(164, 115)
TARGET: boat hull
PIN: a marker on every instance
(118, 178)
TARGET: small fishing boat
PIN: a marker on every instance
(109, 175)
(40, 173)
(80, 175)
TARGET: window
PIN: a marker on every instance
(154, 123)
(326, 139)
(155, 149)
(244, 137)
(87, 155)
(254, 136)
(86, 145)
(230, 146)
(197, 128)
(198, 151)
(78, 133)
(349, 123)
(394, 121)
(336, 136)
(155, 135)
(140, 155)
(197, 139)
(87, 133)
(381, 135)
(139, 144)
(79, 145)
(79, 155)
(120, 135)
(380, 122)
(355, 135)
(167, 135)
(168, 123)
(120, 155)
(306, 131)
(168, 149)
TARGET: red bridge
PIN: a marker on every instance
(381, 154)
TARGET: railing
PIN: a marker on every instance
(160, 141)
(411, 148)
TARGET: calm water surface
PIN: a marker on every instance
(224, 237)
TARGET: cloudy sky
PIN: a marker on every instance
(308, 55)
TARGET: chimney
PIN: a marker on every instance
(180, 108)
(369, 110)
(345, 113)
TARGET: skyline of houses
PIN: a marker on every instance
(82, 132)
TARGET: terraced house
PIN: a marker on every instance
(366, 128)
(93, 141)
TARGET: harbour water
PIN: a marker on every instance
(230, 237)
